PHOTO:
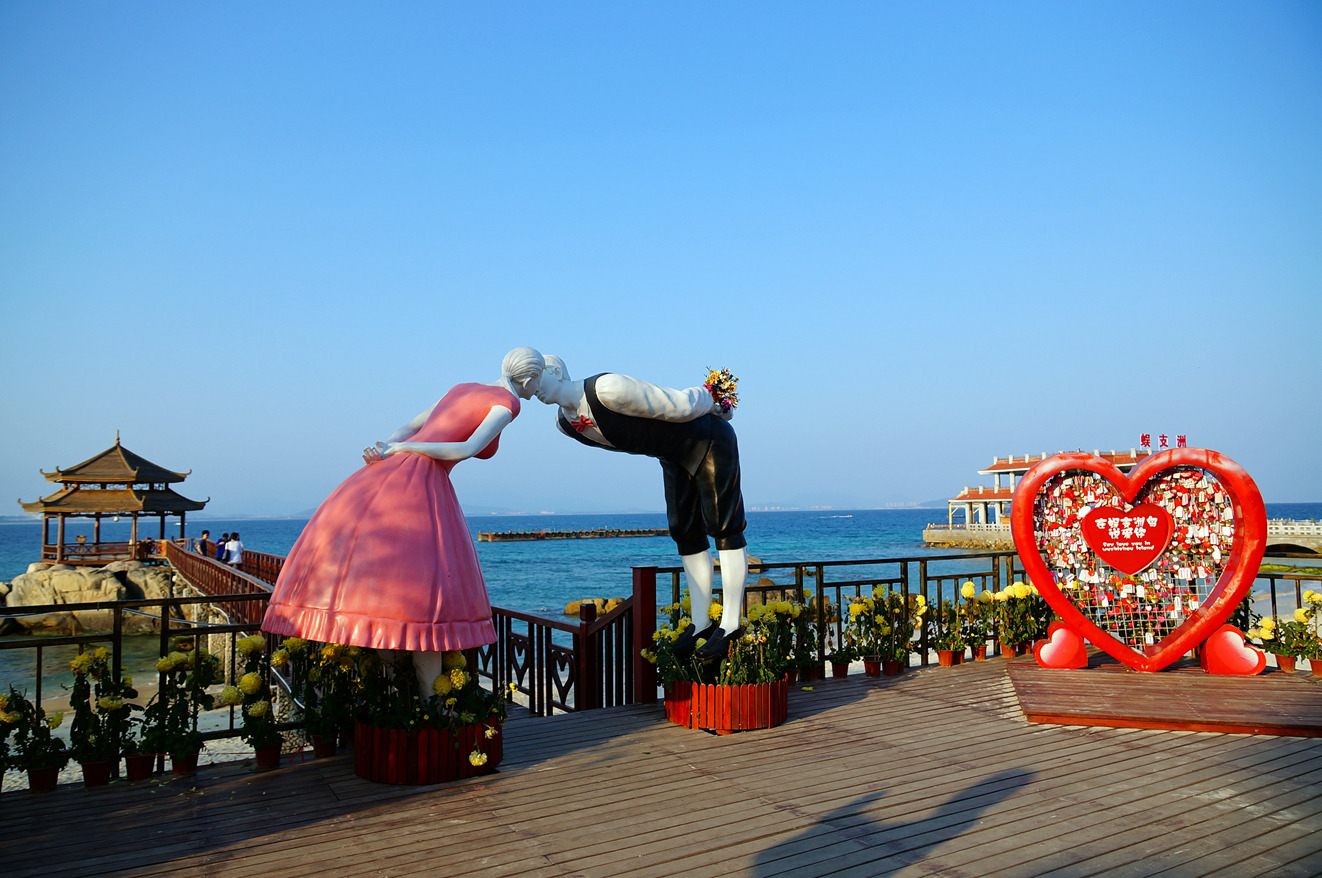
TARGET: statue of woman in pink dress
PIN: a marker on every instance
(387, 560)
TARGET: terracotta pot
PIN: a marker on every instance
(871, 666)
(839, 669)
(43, 780)
(323, 746)
(792, 676)
(725, 709)
(892, 667)
(1285, 663)
(1316, 666)
(267, 757)
(1010, 650)
(97, 774)
(184, 764)
(139, 766)
(427, 756)
(946, 657)
(980, 653)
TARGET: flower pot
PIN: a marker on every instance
(1285, 663)
(97, 773)
(839, 669)
(43, 779)
(872, 665)
(426, 756)
(184, 764)
(725, 709)
(1009, 649)
(810, 673)
(980, 653)
(1316, 666)
(891, 667)
(138, 766)
(792, 676)
(323, 746)
(267, 757)
(946, 657)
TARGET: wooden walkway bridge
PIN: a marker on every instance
(935, 772)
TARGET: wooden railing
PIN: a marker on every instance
(211, 577)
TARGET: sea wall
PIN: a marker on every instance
(959, 538)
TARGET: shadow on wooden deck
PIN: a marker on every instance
(932, 773)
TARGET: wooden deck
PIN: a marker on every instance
(936, 772)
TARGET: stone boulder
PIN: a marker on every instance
(63, 584)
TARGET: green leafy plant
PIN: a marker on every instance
(186, 673)
(101, 709)
(34, 745)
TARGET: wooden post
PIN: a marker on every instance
(59, 546)
(643, 625)
(588, 652)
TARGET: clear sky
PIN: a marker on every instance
(255, 237)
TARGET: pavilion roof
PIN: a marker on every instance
(82, 501)
(1023, 463)
(982, 494)
(115, 465)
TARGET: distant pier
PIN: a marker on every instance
(514, 536)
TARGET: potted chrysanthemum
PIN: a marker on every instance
(747, 688)
(405, 736)
(101, 712)
(35, 749)
(186, 673)
(947, 634)
(256, 702)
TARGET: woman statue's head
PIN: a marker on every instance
(522, 367)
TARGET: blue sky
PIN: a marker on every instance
(254, 239)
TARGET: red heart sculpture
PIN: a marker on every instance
(1062, 648)
(1240, 567)
(1226, 652)
(1128, 540)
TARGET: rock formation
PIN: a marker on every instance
(46, 584)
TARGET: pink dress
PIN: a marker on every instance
(387, 561)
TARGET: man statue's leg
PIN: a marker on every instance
(734, 576)
(698, 572)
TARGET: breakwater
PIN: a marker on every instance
(517, 536)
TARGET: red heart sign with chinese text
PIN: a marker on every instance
(1239, 567)
(1128, 540)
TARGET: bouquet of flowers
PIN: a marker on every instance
(723, 387)
(100, 709)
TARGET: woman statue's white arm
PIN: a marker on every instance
(495, 421)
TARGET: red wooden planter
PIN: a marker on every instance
(725, 709)
(426, 756)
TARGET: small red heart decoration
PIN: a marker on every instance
(1227, 652)
(1238, 567)
(1061, 649)
(1128, 540)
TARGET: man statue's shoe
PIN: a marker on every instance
(717, 645)
(684, 644)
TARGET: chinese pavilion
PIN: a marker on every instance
(114, 483)
(991, 505)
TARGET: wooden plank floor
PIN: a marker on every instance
(1183, 697)
(936, 772)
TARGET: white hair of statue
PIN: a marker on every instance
(554, 362)
(521, 365)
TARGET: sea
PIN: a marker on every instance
(542, 576)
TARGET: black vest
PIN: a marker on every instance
(683, 444)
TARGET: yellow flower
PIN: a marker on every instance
(1269, 624)
(714, 612)
(490, 732)
(230, 695)
(55, 720)
(81, 664)
(127, 680)
(179, 659)
(1000, 597)
(280, 658)
(10, 717)
(451, 702)
(1301, 615)
(968, 589)
(165, 664)
(250, 684)
(648, 656)
(856, 610)
(756, 612)
(985, 597)
(477, 758)
(1266, 635)
(453, 659)
(4, 701)
(102, 653)
(250, 644)
(459, 678)
(295, 645)
(110, 703)
(259, 708)
(442, 685)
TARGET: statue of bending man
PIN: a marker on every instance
(689, 433)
